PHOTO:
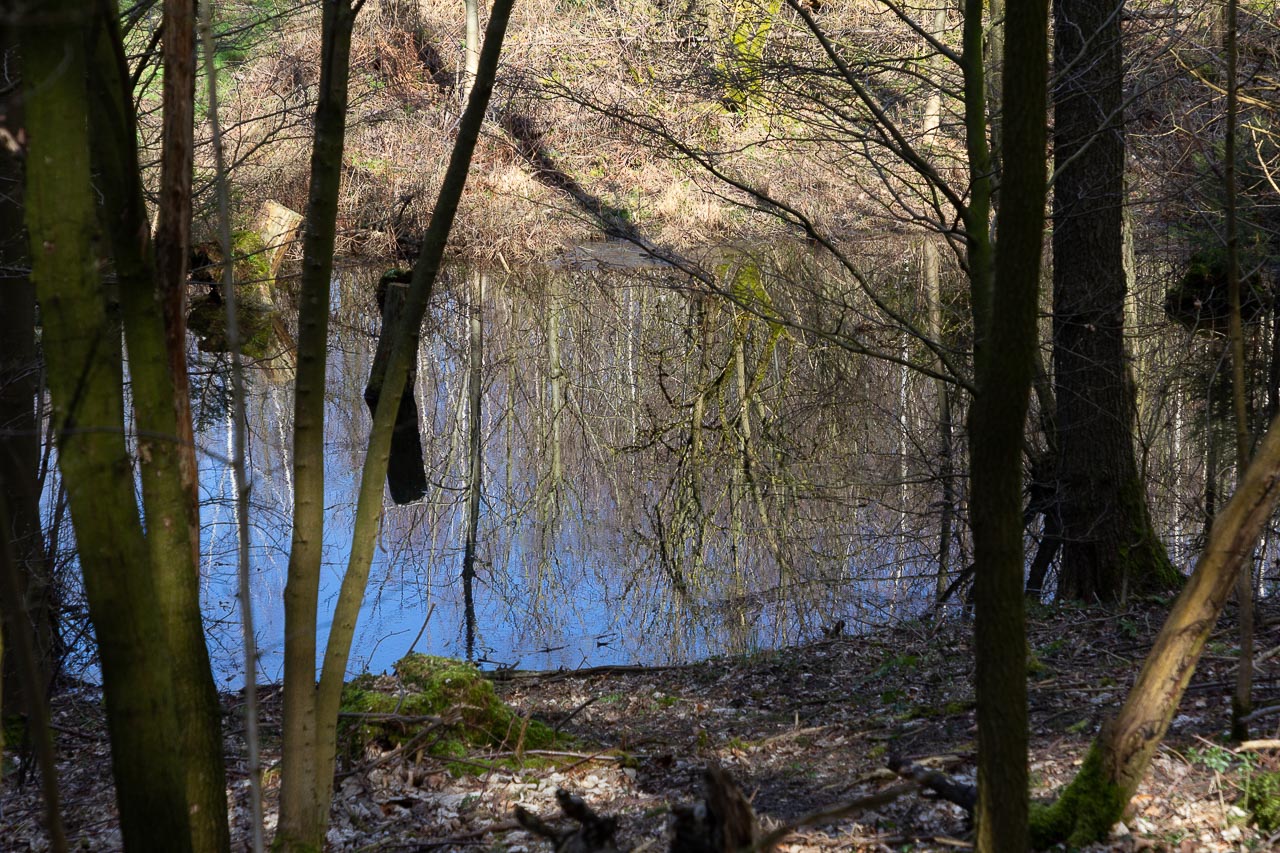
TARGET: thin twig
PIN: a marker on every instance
(240, 473)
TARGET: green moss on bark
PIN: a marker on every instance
(1262, 800)
(1145, 562)
(1086, 810)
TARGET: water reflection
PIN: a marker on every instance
(663, 477)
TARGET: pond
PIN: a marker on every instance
(664, 477)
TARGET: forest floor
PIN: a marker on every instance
(800, 729)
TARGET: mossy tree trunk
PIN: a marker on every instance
(85, 377)
(304, 795)
(1004, 362)
(1109, 545)
(1119, 758)
(163, 457)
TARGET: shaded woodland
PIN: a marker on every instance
(553, 343)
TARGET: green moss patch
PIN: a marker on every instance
(1262, 800)
(250, 266)
(255, 308)
(470, 715)
(1084, 812)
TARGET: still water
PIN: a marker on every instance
(664, 477)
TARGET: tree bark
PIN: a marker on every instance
(1004, 370)
(305, 790)
(929, 262)
(1119, 758)
(163, 458)
(86, 382)
(1109, 546)
(173, 233)
(475, 457)
(1242, 699)
(471, 47)
(19, 388)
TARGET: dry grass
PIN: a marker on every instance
(610, 99)
(567, 66)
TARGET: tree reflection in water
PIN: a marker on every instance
(665, 475)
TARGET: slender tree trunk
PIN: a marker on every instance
(305, 790)
(236, 428)
(472, 47)
(1119, 758)
(994, 53)
(1004, 372)
(555, 368)
(1242, 700)
(173, 232)
(977, 216)
(19, 389)
(933, 301)
(1109, 544)
(314, 792)
(21, 646)
(475, 454)
(162, 456)
(1211, 457)
(86, 382)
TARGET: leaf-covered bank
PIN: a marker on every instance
(800, 729)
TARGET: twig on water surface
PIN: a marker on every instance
(422, 630)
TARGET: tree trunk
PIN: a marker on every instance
(1109, 546)
(933, 300)
(1004, 371)
(475, 457)
(173, 233)
(19, 388)
(305, 790)
(994, 55)
(86, 382)
(1242, 699)
(1118, 760)
(315, 731)
(406, 470)
(21, 646)
(556, 382)
(471, 47)
(163, 460)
